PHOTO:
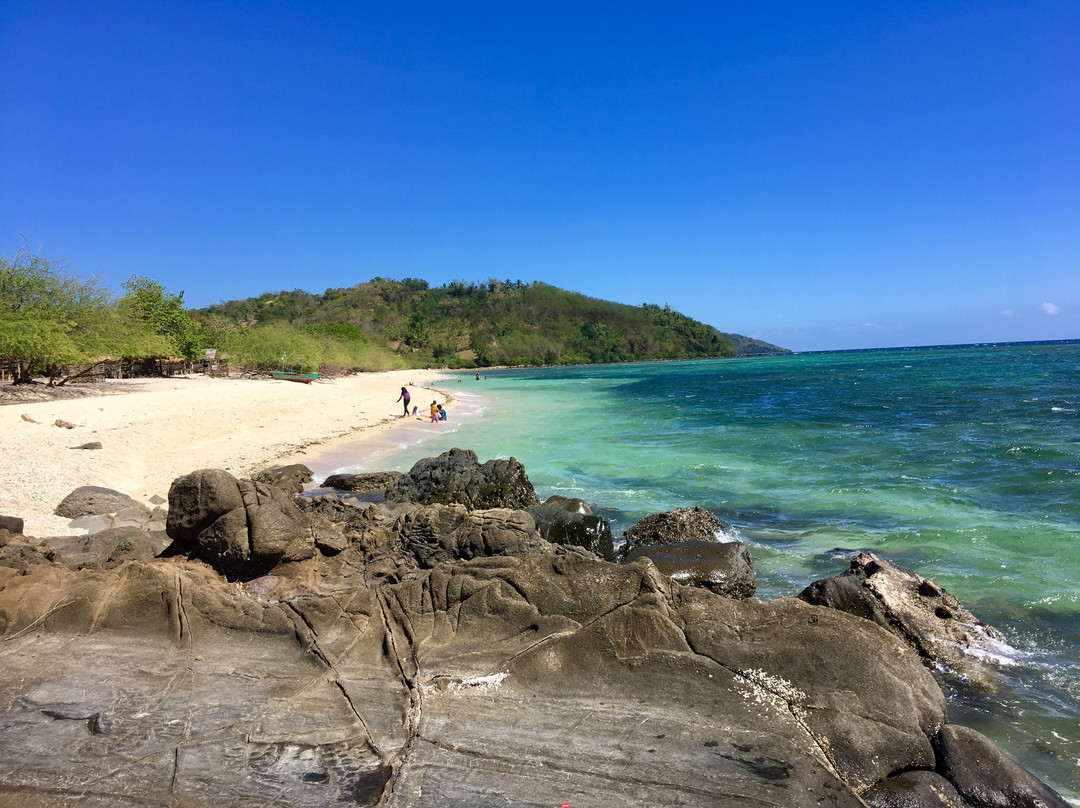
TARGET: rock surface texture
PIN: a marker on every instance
(442, 655)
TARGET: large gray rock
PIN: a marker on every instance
(721, 567)
(917, 610)
(681, 524)
(456, 477)
(92, 499)
(526, 681)
(240, 527)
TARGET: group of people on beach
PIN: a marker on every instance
(437, 411)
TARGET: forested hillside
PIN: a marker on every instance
(468, 324)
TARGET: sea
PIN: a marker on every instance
(961, 463)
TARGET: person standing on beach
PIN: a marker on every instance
(405, 398)
(434, 412)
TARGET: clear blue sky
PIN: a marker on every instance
(820, 175)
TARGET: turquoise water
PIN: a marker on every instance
(962, 463)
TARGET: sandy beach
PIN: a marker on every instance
(155, 430)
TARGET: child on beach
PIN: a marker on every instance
(442, 412)
(434, 412)
(405, 398)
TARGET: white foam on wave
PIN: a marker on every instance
(728, 535)
(993, 651)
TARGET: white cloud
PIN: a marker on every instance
(1050, 309)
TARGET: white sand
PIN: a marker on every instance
(164, 428)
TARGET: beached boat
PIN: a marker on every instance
(290, 376)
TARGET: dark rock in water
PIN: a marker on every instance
(12, 524)
(571, 504)
(916, 789)
(436, 533)
(457, 478)
(291, 478)
(563, 526)
(371, 483)
(240, 527)
(682, 524)
(917, 610)
(721, 567)
(92, 499)
(985, 776)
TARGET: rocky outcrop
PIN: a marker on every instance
(915, 609)
(721, 567)
(241, 527)
(90, 500)
(291, 478)
(456, 477)
(682, 524)
(438, 688)
(433, 655)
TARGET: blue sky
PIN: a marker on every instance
(820, 175)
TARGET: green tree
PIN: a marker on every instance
(52, 321)
(163, 313)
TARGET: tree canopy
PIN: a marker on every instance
(491, 323)
(54, 324)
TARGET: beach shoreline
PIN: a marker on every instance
(156, 429)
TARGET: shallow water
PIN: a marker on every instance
(961, 463)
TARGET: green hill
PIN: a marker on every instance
(462, 325)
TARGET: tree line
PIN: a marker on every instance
(58, 326)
